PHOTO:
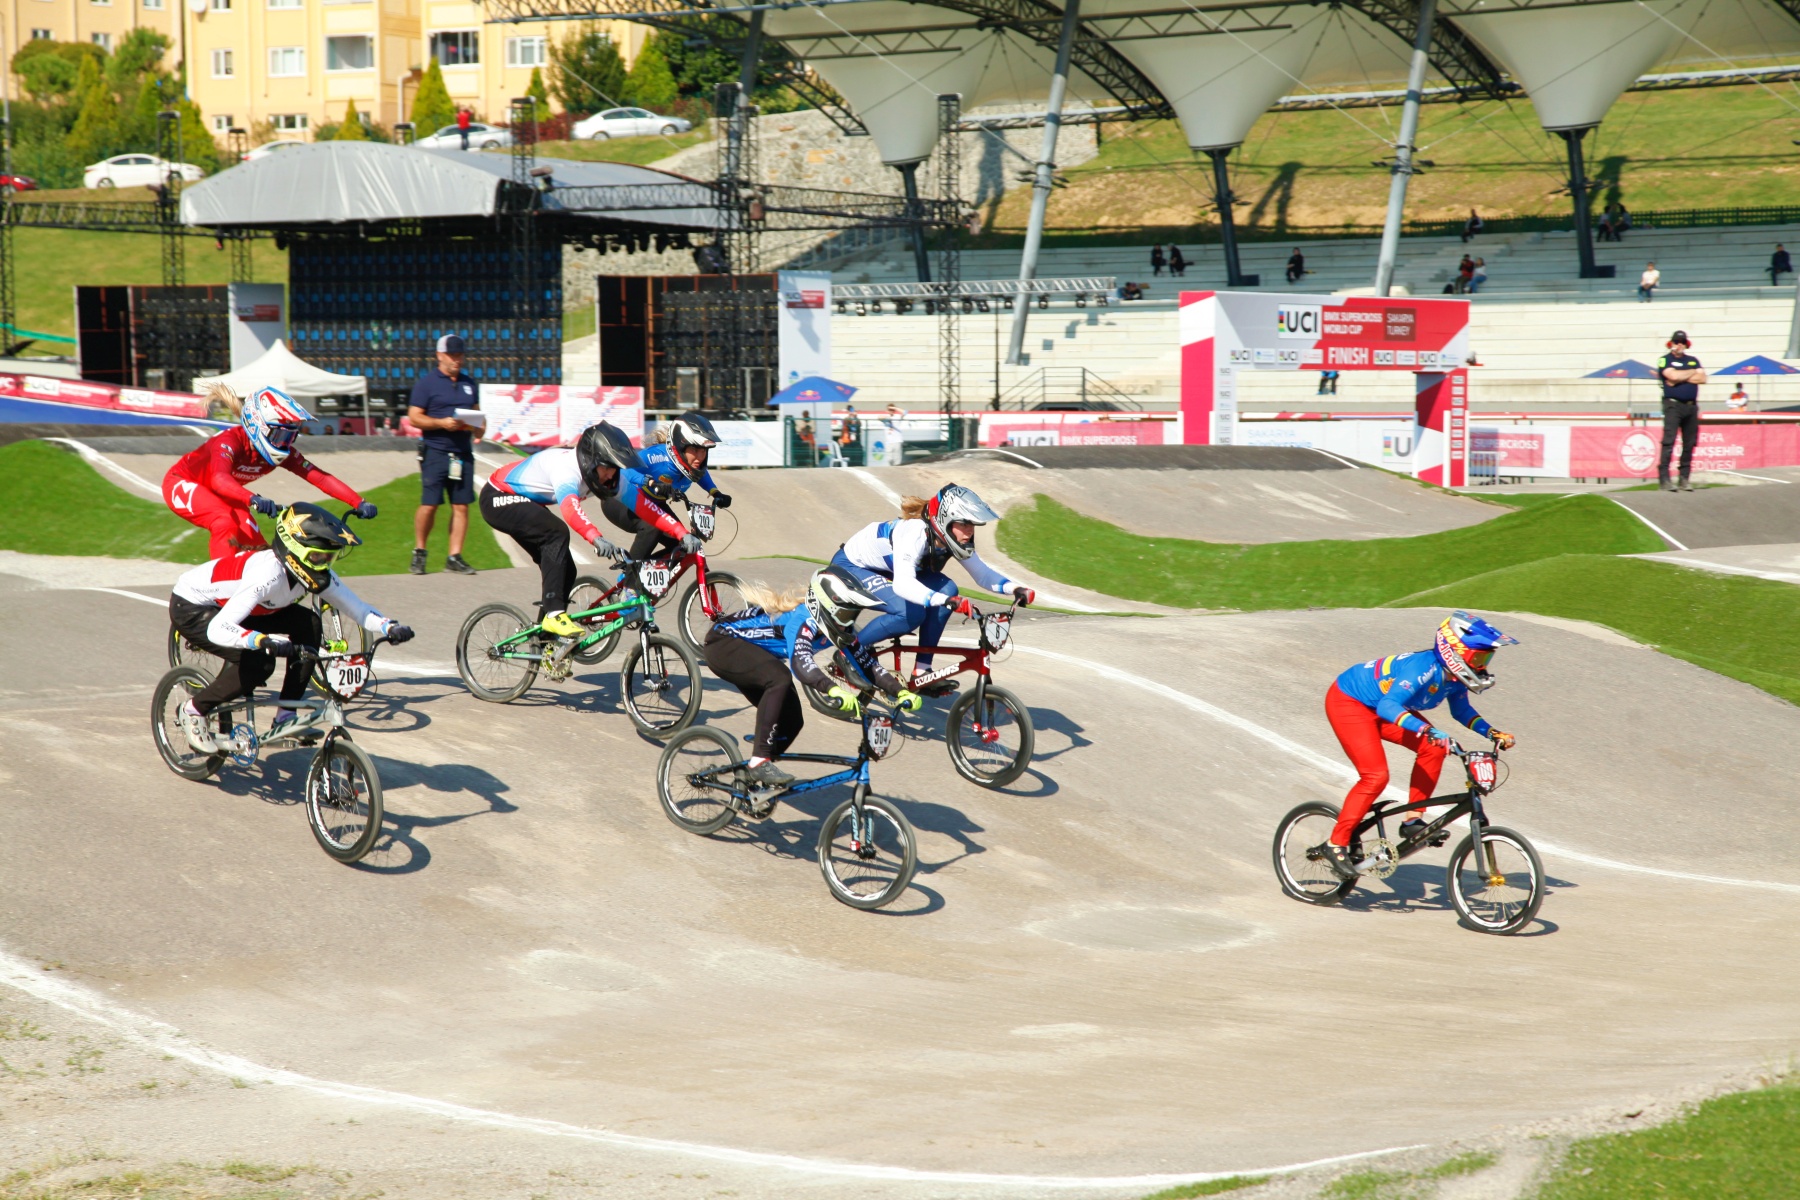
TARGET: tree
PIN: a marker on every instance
(95, 134)
(50, 70)
(586, 72)
(651, 84)
(352, 129)
(540, 107)
(432, 108)
(136, 60)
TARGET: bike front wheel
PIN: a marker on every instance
(1302, 870)
(172, 691)
(486, 670)
(343, 800)
(867, 853)
(990, 743)
(660, 684)
(694, 778)
(334, 626)
(590, 592)
(1499, 889)
(725, 594)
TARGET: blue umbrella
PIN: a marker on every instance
(1631, 368)
(814, 389)
(1758, 364)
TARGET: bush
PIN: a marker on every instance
(586, 72)
(432, 108)
(651, 84)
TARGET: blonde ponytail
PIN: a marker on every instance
(771, 601)
(912, 508)
(221, 399)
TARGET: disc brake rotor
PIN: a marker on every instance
(1382, 860)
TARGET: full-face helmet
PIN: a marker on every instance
(273, 419)
(955, 503)
(1465, 645)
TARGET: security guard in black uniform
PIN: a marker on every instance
(1681, 377)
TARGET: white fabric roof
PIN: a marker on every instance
(282, 368)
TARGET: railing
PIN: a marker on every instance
(1064, 384)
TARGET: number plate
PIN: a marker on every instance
(702, 520)
(999, 629)
(657, 577)
(347, 676)
(1484, 770)
(881, 736)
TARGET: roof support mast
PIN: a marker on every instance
(1403, 149)
(1041, 185)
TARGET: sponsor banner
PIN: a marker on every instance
(1386, 444)
(103, 395)
(256, 320)
(747, 444)
(1632, 451)
(555, 416)
(1093, 433)
(802, 326)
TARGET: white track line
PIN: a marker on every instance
(127, 595)
(1342, 771)
(1722, 569)
(93, 456)
(1328, 454)
(157, 1036)
(1657, 529)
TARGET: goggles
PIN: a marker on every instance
(281, 436)
(314, 558)
(1479, 659)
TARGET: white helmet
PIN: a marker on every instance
(273, 420)
(957, 503)
(836, 599)
(690, 429)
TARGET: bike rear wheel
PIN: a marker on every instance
(989, 744)
(343, 800)
(697, 807)
(1303, 874)
(1499, 890)
(484, 672)
(590, 592)
(726, 596)
(172, 691)
(660, 683)
(868, 858)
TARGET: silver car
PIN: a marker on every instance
(481, 137)
(627, 122)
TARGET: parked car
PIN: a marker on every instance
(481, 137)
(268, 148)
(627, 122)
(17, 183)
(137, 170)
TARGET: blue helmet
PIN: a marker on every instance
(1465, 645)
(273, 420)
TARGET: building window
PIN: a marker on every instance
(153, 4)
(354, 53)
(527, 51)
(221, 124)
(285, 3)
(102, 40)
(222, 64)
(40, 35)
(221, 5)
(456, 47)
(287, 60)
(289, 122)
(101, 3)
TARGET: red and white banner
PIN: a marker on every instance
(554, 415)
(1631, 452)
(103, 395)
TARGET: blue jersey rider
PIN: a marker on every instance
(1382, 700)
(901, 563)
(667, 470)
(755, 649)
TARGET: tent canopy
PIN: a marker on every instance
(1631, 368)
(814, 389)
(282, 368)
(1758, 364)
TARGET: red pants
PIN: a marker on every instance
(231, 527)
(1361, 733)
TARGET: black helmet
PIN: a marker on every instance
(836, 598)
(308, 540)
(691, 429)
(604, 445)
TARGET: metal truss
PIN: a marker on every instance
(1103, 285)
(1453, 53)
(884, 43)
(782, 208)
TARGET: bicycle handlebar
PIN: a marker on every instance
(320, 654)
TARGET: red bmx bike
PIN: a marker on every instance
(987, 729)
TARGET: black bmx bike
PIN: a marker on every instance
(1495, 878)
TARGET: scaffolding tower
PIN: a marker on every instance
(736, 195)
(949, 266)
(168, 200)
(523, 207)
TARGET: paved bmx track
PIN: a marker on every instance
(1094, 977)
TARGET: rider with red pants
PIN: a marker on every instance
(206, 486)
(1381, 700)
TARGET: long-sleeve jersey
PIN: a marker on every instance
(795, 638)
(226, 461)
(253, 583)
(902, 551)
(1399, 686)
(553, 477)
(660, 477)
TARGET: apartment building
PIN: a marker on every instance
(295, 64)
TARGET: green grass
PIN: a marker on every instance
(1063, 544)
(388, 539)
(1744, 628)
(1211, 1187)
(1746, 1145)
(1405, 1185)
(96, 1176)
(639, 150)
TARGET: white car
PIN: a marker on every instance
(627, 122)
(268, 148)
(137, 170)
(481, 137)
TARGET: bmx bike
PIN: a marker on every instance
(707, 596)
(343, 787)
(866, 851)
(1495, 878)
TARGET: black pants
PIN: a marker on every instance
(1682, 415)
(542, 534)
(247, 670)
(647, 539)
(766, 683)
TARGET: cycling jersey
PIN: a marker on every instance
(902, 551)
(660, 477)
(1399, 686)
(553, 477)
(254, 583)
(225, 462)
(794, 638)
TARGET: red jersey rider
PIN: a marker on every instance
(206, 486)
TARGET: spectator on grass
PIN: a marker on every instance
(1649, 282)
(1156, 260)
(1779, 264)
(1177, 264)
(1296, 266)
(446, 453)
(1473, 225)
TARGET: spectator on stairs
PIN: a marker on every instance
(1779, 263)
(1178, 264)
(1649, 282)
(1296, 266)
(1156, 260)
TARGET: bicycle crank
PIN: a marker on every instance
(556, 666)
(1382, 862)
